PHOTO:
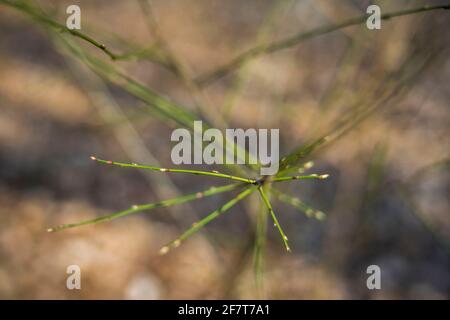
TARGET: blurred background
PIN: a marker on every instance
(383, 97)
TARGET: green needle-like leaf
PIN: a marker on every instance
(274, 218)
(310, 176)
(196, 172)
(149, 206)
(200, 224)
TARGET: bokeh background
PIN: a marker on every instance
(387, 198)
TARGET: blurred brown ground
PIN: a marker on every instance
(387, 199)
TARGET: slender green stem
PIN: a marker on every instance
(62, 28)
(260, 246)
(259, 50)
(150, 206)
(200, 224)
(298, 204)
(274, 218)
(150, 53)
(311, 176)
(196, 172)
(91, 41)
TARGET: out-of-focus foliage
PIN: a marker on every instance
(380, 97)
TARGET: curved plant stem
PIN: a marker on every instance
(196, 172)
(213, 215)
(262, 49)
(150, 206)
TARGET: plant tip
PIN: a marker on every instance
(164, 250)
(176, 243)
(320, 215)
(308, 165)
(324, 176)
(93, 158)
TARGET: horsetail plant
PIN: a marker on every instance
(248, 184)
(291, 167)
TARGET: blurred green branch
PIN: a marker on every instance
(238, 61)
(151, 52)
(33, 12)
